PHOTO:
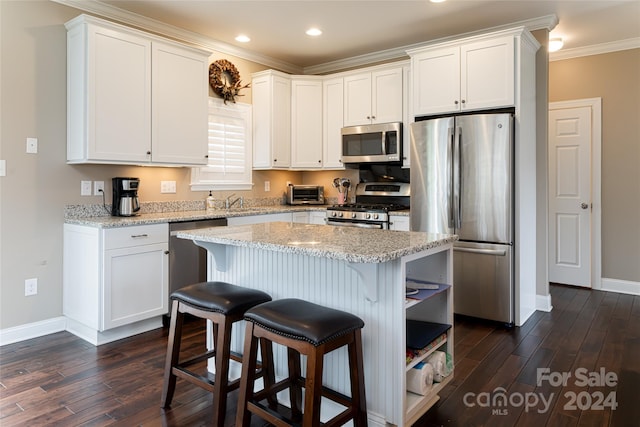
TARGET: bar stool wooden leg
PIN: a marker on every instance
(268, 370)
(243, 417)
(313, 388)
(295, 391)
(220, 388)
(175, 338)
(357, 380)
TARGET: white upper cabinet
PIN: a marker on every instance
(464, 76)
(306, 123)
(133, 98)
(373, 97)
(179, 106)
(271, 93)
(333, 121)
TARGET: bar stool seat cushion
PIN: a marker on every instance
(303, 320)
(220, 297)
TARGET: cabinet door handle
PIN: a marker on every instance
(138, 236)
(463, 101)
(166, 252)
(148, 153)
(455, 102)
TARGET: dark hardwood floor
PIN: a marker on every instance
(62, 380)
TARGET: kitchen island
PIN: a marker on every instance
(360, 271)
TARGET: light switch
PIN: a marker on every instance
(3, 168)
(85, 188)
(32, 145)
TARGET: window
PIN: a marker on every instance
(230, 149)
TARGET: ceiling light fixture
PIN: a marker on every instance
(437, 1)
(555, 44)
(313, 32)
(243, 39)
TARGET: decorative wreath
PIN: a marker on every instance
(224, 79)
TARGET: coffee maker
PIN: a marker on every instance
(125, 197)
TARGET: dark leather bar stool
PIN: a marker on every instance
(223, 304)
(308, 329)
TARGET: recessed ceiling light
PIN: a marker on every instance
(313, 32)
(243, 39)
(437, 1)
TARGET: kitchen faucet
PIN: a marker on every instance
(228, 203)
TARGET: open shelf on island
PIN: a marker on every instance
(417, 292)
(417, 405)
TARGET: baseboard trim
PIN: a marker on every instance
(32, 330)
(543, 303)
(620, 286)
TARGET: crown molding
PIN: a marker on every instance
(544, 22)
(141, 22)
(596, 49)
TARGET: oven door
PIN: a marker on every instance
(360, 224)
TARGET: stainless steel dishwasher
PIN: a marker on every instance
(188, 262)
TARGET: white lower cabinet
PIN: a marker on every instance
(300, 217)
(115, 281)
(398, 222)
(258, 219)
(317, 217)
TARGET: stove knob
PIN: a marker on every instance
(375, 216)
(340, 214)
(353, 215)
(368, 215)
(333, 214)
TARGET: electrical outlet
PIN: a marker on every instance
(85, 188)
(98, 188)
(30, 287)
(32, 145)
(167, 186)
(267, 186)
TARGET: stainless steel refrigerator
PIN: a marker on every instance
(462, 183)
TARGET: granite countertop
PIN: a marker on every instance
(181, 216)
(193, 215)
(344, 243)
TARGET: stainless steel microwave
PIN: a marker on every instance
(376, 143)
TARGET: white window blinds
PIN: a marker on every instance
(230, 149)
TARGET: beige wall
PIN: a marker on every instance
(614, 77)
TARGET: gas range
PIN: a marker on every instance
(374, 201)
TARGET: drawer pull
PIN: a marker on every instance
(137, 236)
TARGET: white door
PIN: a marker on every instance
(570, 199)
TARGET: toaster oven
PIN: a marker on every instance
(305, 195)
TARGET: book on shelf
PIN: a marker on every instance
(413, 353)
(420, 334)
(420, 289)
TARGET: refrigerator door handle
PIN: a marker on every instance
(450, 189)
(457, 181)
(494, 252)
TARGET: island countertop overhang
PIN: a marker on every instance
(349, 244)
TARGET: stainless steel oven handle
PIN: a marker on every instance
(482, 251)
(355, 224)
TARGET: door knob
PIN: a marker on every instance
(584, 205)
